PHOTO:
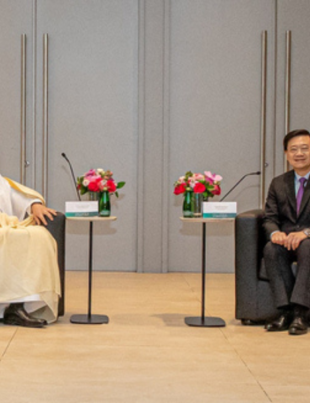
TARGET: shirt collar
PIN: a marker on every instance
(297, 177)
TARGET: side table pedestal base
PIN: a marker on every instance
(205, 322)
(89, 320)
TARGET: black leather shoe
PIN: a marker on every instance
(281, 323)
(15, 314)
(298, 326)
(250, 322)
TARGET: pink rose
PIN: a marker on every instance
(91, 172)
(216, 191)
(199, 188)
(102, 184)
(94, 183)
(93, 187)
(198, 177)
(180, 189)
(111, 186)
(191, 182)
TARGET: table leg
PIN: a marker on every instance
(203, 321)
(90, 267)
(89, 318)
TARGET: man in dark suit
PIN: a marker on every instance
(287, 226)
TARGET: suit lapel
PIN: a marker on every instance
(290, 189)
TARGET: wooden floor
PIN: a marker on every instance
(146, 353)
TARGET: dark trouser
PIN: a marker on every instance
(286, 288)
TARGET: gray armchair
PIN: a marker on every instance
(57, 229)
(254, 303)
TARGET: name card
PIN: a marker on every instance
(81, 209)
(219, 209)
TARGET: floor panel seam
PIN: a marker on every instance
(247, 367)
(8, 345)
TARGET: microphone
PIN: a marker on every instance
(240, 180)
(72, 173)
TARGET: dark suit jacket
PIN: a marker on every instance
(281, 206)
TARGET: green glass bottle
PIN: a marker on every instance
(104, 204)
(187, 205)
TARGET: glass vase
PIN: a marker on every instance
(187, 205)
(104, 205)
(197, 199)
(93, 196)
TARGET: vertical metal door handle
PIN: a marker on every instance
(287, 87)
(45, 119)
(263, 117)
(23, 112)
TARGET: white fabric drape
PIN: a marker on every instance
(28, 255)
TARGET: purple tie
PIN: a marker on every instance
(300, 193)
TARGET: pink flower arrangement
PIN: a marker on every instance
(207, 183)
(98, 180)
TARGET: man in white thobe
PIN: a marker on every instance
(29, 274)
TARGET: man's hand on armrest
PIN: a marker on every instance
(39, 212)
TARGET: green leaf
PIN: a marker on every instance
(120, 185)
(188, 175)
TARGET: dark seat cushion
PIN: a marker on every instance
(57, 230)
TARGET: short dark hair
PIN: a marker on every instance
(294, 133)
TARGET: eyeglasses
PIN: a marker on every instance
(302, 149)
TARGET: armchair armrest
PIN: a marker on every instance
(250, 238)
(249, 243)
(57, 230)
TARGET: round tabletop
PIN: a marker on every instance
(92, 218)
(201, 219)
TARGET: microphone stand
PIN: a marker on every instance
(240, 180)
(73, 176)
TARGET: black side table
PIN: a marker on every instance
(90, 319)
(203, 321)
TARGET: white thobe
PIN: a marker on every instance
(15, 203)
